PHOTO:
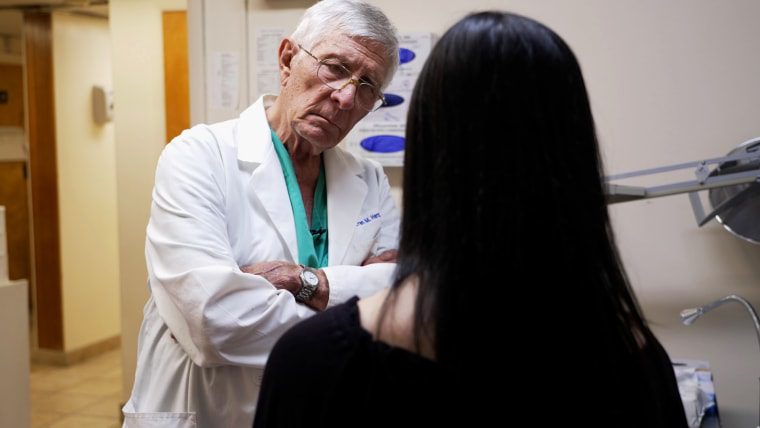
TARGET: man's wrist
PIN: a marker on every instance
(309, 284)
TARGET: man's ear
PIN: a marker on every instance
(285, 54)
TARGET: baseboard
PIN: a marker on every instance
(67, 358)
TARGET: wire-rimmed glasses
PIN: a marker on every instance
(336, 76)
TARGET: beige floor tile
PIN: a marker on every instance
(77, 421)
(109, 406)
(63, 402)
(44, 419)
(112, 374)
(84, 370)
(36, 395)
(83, 395)
(109, 359)
(36, 368)
(97, 387)
(53, 381)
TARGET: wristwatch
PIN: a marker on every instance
(309, 284)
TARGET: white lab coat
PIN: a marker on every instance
(220, 202)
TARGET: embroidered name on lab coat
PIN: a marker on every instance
(369, 219)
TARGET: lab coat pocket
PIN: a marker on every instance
(160, 420)
(362, 244)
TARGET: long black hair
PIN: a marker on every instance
(505, 224)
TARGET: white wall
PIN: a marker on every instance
(139, 118)
(669, 82)
(86, 182)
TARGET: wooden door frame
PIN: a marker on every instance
(40, 113)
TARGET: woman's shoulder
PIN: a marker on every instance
(396, 313)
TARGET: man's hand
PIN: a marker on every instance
(283, 275)
(387, 256)
(286, 276)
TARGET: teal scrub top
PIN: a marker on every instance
(312, 243)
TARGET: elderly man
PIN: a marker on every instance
(258, 222)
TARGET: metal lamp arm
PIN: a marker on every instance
(731, 297)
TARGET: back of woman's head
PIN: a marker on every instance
(504, 219)
(500, 137)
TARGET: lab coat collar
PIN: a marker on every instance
(254, 144)
(253, 133)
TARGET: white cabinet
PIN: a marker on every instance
(14, 353)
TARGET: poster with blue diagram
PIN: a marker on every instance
(380, 135)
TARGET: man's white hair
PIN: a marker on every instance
(351, 18)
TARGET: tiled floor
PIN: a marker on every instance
(84, 395)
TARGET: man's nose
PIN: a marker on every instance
(345, 95)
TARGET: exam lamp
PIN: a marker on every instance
(732, 182)
(688, 316)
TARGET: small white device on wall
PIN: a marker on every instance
(102, 104)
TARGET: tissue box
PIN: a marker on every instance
(695, 384)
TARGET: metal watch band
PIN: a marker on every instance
(308, 288)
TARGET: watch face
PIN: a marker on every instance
(310, 277)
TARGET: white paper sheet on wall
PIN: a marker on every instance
(267, 28)
(380, 135)
(224, 80)
(12, 144)
(266, 65)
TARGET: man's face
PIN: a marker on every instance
(317, 113)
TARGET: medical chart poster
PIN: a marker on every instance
(266, 30)
(380, 135)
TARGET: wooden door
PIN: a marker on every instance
(43, 172)
(11, 95)
(176, 80)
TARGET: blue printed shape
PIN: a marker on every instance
(405, 55)
(392, 100)
(383, 143)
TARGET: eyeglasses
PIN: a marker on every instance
(336, 76)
